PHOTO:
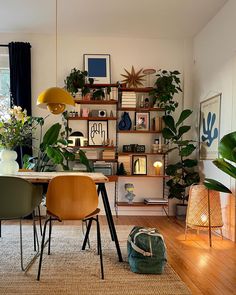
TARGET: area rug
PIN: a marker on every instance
(69, 270)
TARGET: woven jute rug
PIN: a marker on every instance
(69, 270)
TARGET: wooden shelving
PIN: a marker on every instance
(138, 131)
(140, 204)
(92, 118)
(92, 86)
(98, 102)
(137, 176)
(138, 154)
(103, 147)
(143, 89)
(141, 109)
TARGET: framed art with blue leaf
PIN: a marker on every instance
(209, 127)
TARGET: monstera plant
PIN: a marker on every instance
(182, 173)
(226, 162)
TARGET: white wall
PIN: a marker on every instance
(215, 72)
(125, 52)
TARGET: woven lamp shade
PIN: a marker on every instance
(198, 209)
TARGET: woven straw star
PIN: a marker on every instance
(133, 79)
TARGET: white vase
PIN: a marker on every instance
(8, 164)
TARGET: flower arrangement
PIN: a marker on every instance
(15, 128)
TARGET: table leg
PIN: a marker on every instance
(102, 189)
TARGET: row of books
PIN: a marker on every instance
(108, 155)
(128, 99)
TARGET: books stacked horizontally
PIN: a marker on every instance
(152, 201)
(108, 155)
(104, 167)
(128, 99)
(92, 154)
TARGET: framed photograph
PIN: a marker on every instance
(98, 67)
(97, 132)
(209, 127)
(142, 121)
(139, 165)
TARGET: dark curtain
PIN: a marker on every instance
(20, 82)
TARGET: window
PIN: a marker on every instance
(4, 80)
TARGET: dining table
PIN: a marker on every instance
(99, 179)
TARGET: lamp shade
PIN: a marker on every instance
(55, 100)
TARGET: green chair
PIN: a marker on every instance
(18, 199)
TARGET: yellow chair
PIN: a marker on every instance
(71, 198)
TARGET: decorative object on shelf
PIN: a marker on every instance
(142, 121)
(76, 139)
(209, 127)
(98, 67)
(121, 169)
(133, 148)
(111, 114)
(157, 123)
(157, 165)
(204, 210)
(125, 122)
(102, 113)
(97, 132)
(133, 79)
(166, 86)
(129, 187)
(77, 81)
(85, 112)
(182, 173)
(8, 164)
(148, 73)
(146, 102)
(139, 165)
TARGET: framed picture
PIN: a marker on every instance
(98, 67)
(139, 165)
(209, 127)
(142, 121)
(97, 132)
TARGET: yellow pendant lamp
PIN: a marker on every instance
(55, 99)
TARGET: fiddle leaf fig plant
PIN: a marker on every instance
(182, 173)
(226, 162)
(166, 86)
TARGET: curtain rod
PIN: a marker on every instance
(4, 45)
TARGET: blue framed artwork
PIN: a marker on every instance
(98, 67)
(209, 127)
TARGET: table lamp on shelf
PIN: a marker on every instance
(157, 165)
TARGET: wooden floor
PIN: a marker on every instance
(205, 270)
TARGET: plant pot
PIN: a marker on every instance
(8, 164)
(181, 210)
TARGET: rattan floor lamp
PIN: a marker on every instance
(204, 210)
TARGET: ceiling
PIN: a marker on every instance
(123, 18)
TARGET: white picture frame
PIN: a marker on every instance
(98, 67)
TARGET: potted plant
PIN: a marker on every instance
(226, 162)
(182, 173)
(166, 86)
(76, 80)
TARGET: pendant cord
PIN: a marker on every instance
(56, 42)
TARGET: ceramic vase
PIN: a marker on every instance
(8, 164)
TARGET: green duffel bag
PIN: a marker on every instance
(146, 251)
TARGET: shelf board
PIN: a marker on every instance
(143, 89)
(105, 160)
(138, 131)
(92, 118)
(101, 85)
(149, 176)
(103, 147)
(140, 204)
(138, 154)
(98, 102)
(141, 109)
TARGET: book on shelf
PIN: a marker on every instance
(114, 93)
(155, 201)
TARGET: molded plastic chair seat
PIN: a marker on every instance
(71, 198)
(18, 199)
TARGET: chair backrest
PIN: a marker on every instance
(197, 212)
(18, 197)
(71, 197)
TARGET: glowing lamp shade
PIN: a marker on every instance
(55, 100)
(157, 165)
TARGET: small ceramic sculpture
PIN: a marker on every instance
(129, 187)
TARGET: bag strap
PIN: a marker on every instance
(137, 249)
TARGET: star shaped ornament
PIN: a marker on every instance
(133, 79)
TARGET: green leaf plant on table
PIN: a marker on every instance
(182, 173)
(225, 162)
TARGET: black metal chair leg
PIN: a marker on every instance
(100, 247)
(87, 234)
(49, 236)
(42, 248)
(34, 231)
(40, 221)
